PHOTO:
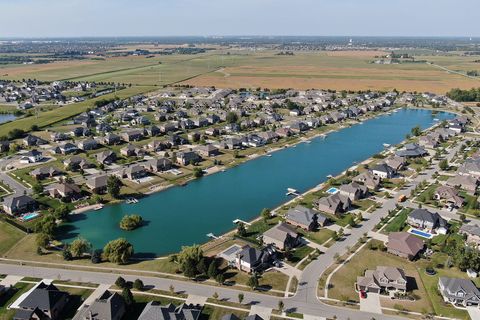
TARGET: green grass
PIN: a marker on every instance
(10, 297)
(9, 236)
(398, 223)
(299, 253)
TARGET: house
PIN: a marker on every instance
(97, 184)
(64, 190)
(383, 279)
(472, 231)
(156, 145)
(450, 196)
(155, 311)
(45, 301)
(335, 204)
(305, 218)
(111, 139)
(4, 146)
(132, 135)
(411, 150)
(428, 141)
(467, 183)
(32, 156)
(33, 141)
(187, 157)
(44, 172)
(76, 162)
(66, 148)
(369, 180)
(88, 144)
(404, 244)
(251, 259)
(109, 306)
(106, 157)
(14, 205)
(134, 172)
(471, 167)
(132, 151)
(457, 291)
(158, 165)
(282, 236)
(208, 150)
(430, 221)
(396, 163)
(354, 191)
(383, 170)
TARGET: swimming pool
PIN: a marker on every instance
(420, 233)
(29, 216)
(332, 190)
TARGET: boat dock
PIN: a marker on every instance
(237, 221)
(292, 192)
(211, 235)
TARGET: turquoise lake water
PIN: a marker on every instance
(7, 117)
(185, 215)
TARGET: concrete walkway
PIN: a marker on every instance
(289, 270)
(310, 317)
(10, 280)
(196, 300)
(314, 245)
(378, 236)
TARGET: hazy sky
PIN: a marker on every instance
(41, 18)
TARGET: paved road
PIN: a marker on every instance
(14, 185)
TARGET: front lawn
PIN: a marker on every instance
(398, 223)
(9, 236)
(344, 279)
(10, 297)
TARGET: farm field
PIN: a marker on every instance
(347, 70)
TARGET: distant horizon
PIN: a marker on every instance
(125, 18)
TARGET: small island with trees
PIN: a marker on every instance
(131, 222)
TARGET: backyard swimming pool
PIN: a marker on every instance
(332, 190)
(29, 216)
(420, 233)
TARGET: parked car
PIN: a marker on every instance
(363, 294)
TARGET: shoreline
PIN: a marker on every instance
(317, 187)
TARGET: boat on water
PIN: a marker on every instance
(292, 192)
(269, 155)
(436, 119)
(386, 145)
(329, 176)
(131, 200)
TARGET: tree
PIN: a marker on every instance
(416, 131)
(240, 297)
(215, 295)
(61, 213)
(171, 289)
(79, 246)
(66, 253)
(113, 186)
(118, 251)
(197, 172)
(131, 222)
(231, 117)
(443, 165)
(47, 225)
(351, 221)
(241, 230)
(189, 258)
(121, 283)
(138, 284)
(96, 256)
(281, 305)
(220, 278)
(202, 266)
(37, 188)
(42, 240)
(128, 297)
(212, 270)
(253, 282)
(266, 214)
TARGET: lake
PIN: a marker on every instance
(185, 215)
(7, 117)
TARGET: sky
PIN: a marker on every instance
(76, 18)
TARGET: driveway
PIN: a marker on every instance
(371, 303)
(473, 312)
